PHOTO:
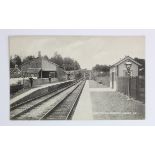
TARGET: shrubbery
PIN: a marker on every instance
(15, 88)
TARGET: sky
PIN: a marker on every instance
(87, 50)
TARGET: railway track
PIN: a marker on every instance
(64, 109)
(15, 105)
(24, 111)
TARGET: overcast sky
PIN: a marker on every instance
(88, 51)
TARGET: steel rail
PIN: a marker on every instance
(12, 107)
(75, 102)
(39, 103)
(61, 102)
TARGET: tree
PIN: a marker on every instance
(67, 63)
(70, 64)
(142, 68)
(141, 61)
(57, 58)
(12, 65)
(15, 61)
(28, 58)
(76, 65)
(46, 57)
(101, 68)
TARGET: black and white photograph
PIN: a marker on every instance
(77, 77)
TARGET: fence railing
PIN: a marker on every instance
(135, 87)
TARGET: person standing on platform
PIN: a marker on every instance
(49, 78)
(31, 80)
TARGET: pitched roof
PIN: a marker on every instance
(49, 61)
(33, 70)
(41, 58)
(124, 59)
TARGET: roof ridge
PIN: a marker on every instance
(50, 61)
(126, 57)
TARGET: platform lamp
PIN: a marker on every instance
(128, 67)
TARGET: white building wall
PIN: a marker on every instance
(122, 68)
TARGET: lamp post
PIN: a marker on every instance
(128, 67)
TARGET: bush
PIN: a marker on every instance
(15, 88)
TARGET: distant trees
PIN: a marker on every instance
(46, 57)
(16, 60)
(67, 63)
(28, 58)
(101, 68)
(57, 58)
(12, 65)
(142, 68)
(76, 65)
(70, 64)
(141, 61)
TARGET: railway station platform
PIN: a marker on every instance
(83, 110)
(15, 99)
(103, 103)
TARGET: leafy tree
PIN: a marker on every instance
(141, 61)
(57, 58)
(76, 65)
(28, 58)
(67, 63)
(12, 65)
(15, 61)
(142, 68)
(46, 57)
(18, 60)
(101, 68)
(70, 64)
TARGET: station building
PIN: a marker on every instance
(119, 70)
(41, 67)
